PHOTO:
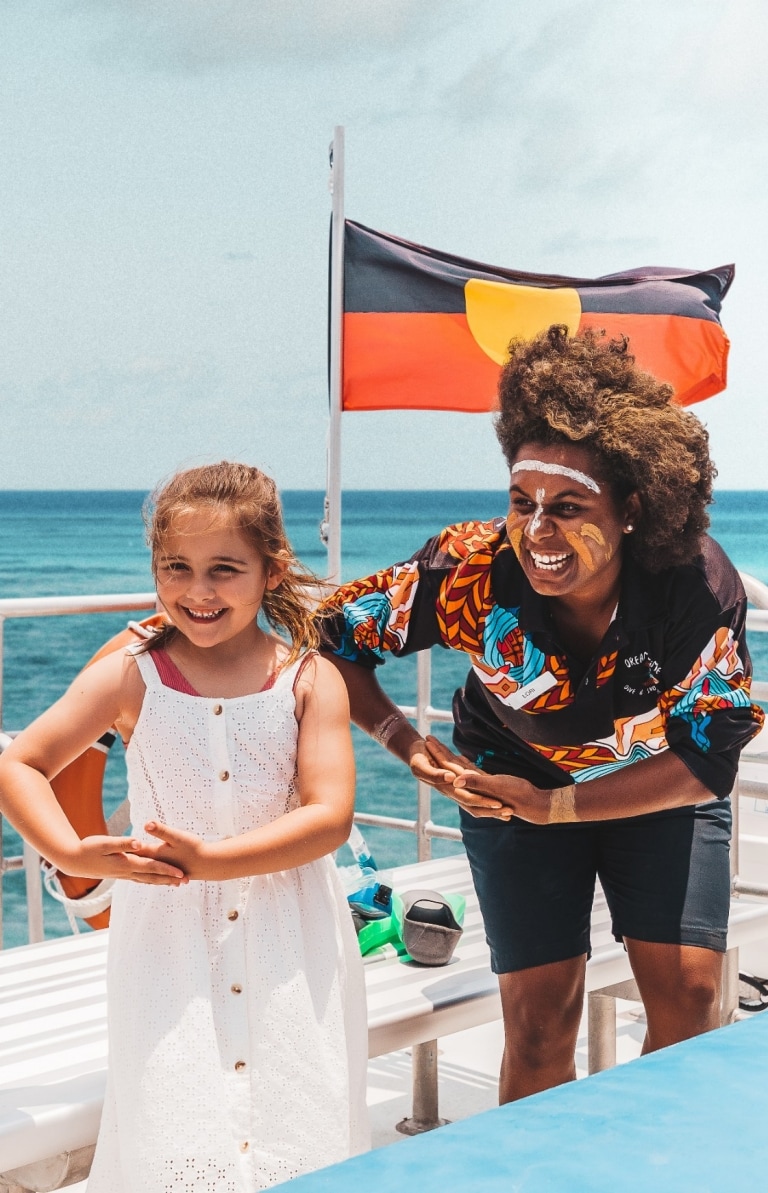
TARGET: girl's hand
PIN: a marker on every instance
(122, 857)
(434, 763)
(180, 848)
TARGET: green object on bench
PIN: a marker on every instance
(392, 929)
(377, 933)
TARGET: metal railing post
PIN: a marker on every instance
(423, 726)
(2, 660)
(34, 885)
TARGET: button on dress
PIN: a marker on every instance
(237, 1021)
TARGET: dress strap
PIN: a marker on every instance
(146, 666)
(289, 676)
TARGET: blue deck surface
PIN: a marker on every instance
(690, 1119)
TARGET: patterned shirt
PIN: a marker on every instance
(672, 671)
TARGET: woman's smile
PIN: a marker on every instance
(548, 563)
(564, 523)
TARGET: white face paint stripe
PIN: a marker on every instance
(555, 470)
(538, 513)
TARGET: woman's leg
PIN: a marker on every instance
(680, 987)
(542, 1010)
(667, 881)
(535, 885)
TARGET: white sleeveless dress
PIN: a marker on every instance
(237, 1021)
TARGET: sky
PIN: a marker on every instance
(164, 210)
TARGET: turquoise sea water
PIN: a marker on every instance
(72, 543)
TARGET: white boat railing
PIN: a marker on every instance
(423, 713)
(50, 606)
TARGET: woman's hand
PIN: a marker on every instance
(121, 857)
(433, 763)
(502, 796)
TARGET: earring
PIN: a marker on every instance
(628, 528)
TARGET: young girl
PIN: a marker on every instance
(237, 1022)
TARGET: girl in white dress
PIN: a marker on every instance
(237, 1025)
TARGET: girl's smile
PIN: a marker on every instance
(211, 579)
(203, 615)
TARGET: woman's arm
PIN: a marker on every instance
(326, 784)
(652, 785)
(372, 711)
(93, 703)
(395, 610)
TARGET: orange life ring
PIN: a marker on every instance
(78, 787)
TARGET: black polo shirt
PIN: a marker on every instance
(672, 671)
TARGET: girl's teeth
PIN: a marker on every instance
(204, 616)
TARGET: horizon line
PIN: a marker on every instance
(303, 489)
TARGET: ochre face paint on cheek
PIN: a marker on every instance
(577, 540)
(515, 539)
(574, 539)
(590, 531)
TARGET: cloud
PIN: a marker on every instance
(200, 35)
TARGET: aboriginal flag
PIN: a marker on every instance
(425, 330)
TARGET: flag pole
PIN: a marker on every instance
(332, 523)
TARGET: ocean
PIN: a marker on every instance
(74, 543)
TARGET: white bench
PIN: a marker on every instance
(53, 1021)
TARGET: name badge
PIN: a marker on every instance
(537, 687)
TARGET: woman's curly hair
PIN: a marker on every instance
(586, 390)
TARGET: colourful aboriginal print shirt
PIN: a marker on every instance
(672, 671)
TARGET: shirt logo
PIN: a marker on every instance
(645, 674)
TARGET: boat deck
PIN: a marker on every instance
(468, 1060)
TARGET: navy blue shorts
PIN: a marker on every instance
(666, 878)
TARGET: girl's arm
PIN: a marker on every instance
(95, 701)
(326, 784)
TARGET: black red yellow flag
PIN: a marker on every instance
(424, 330)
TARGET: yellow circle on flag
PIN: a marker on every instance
(498, 312)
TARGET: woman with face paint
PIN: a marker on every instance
(600, 725)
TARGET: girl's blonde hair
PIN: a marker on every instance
(251, 501)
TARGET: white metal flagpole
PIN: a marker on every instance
(332, 522)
